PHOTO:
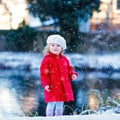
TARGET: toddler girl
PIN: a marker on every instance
(55, 75)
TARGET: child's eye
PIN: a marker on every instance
(52, 45)
(58, 45)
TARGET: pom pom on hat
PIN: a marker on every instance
(58, 40)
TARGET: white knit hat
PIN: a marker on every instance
(58, 40)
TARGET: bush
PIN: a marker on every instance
(21, 39)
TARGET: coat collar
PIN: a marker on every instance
(54, 55)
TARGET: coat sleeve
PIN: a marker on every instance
(44, 72)
(71, 71)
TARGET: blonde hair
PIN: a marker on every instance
(46, 50)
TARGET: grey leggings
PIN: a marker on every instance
(54, 108)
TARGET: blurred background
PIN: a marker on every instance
(92, 31)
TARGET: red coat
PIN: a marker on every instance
(56, 72)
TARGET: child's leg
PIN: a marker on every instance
(59, 108)
(50, 108)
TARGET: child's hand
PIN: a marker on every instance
(74, 77)
(47, 87)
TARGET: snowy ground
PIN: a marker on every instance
(17, 60)
(74, 117)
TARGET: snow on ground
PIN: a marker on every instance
(74, 117)
(15, 60)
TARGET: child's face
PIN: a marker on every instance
(55, 48)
